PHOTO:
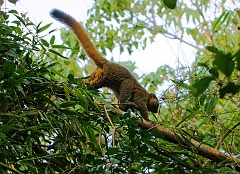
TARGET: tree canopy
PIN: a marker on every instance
(52, 123)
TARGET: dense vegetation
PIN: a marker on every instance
(51, 123)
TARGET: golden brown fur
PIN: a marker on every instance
(129, 92)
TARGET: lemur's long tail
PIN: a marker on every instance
(81, 34)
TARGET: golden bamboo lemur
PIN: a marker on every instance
(129, 92)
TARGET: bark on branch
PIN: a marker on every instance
(194, 146)
(191, 145)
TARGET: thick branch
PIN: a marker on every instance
(192, 145)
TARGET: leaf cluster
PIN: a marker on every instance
(40, 117)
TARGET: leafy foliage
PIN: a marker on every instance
(39, 115)
(50, 122)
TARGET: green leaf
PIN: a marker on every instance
(66, 92)
(58, 73)
(212, 49)
(60, 46)
(210, 105)
(12, 1)
(202, 84)
(224, 63)
(21, 90)
(56, 53)
(13, 11)
(170, 3)
(230, 88)
(44, 28)
(68, 104)
(81, 99)
(45, 43)
(112, 151)
(9, 67)
(52, 40)
(238, 60)
(92, 137)
(143, 148)
(214, 72)
(79, 83)
(20, 19)
(155, 156)
(18, 30)
(202, 99)
(226, 16)
(8, 126)
(70, 77)
(218, 20)
(51, 65)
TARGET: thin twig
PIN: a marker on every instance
(113, 127)
(10, 168)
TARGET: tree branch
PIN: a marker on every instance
(113, 127)
(9, 168)
(191, 145)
